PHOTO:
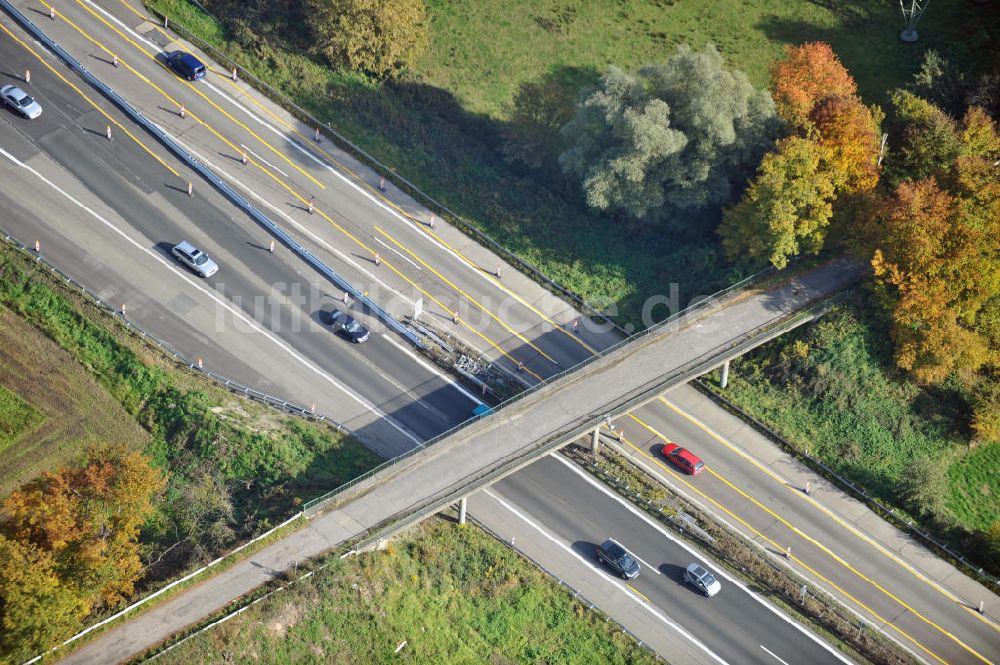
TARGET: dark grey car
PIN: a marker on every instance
(618, 559)
(348, 326)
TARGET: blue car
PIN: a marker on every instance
(186, 65)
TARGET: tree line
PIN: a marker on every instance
(805, 166)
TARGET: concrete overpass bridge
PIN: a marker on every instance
(457, 464)
(575, 403)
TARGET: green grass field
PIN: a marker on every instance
(17, 417)
(532, 39)
(442, 126)
(63, 407)
(454, 594)
(831, 390)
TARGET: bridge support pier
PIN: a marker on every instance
(595, 440)
(724, 380)
(462, 506)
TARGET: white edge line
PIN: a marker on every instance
(774, 655)
(261, 159)
(589, 564)
(833, 515)
(719, 570)
(212, 295)
(417, 359)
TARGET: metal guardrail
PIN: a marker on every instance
(877, 505)
(467, 227)
(224, 188)
(224, 381)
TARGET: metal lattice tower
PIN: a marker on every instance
(912, 11)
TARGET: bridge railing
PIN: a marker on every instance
(675, 318)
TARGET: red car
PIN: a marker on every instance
(683, 459)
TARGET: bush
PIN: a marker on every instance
(923, 487)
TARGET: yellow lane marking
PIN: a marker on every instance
(810, 540)
(638, 593)
(194, 88)
(194, 116)
(358, 180)
(92, 103)
(836, 518)
(305, 201)
(310, 144)
(467, 296)
(573, 336)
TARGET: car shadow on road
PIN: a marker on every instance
(165, 248)
(586, 549)
(672, 571)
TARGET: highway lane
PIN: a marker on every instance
(735, 625)
(276, 289)
(910, 602)
(417, 262)
(483, 277)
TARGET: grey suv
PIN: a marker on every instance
(618, 559)
(702, 580)
(195, 259)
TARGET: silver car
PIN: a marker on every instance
(195, 259)
(20, 101)
(702, 580)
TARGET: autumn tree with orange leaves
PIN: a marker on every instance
(814, 94)
(69, 545)
(927, 263)
(807, 75)
(936, 255)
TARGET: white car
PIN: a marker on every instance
(702, 580)
(195, 259)
(20, 101)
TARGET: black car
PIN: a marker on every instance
(186, 65)
(343, 322)
(618, 559)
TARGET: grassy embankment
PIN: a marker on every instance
(234, 467)
(51, 407)
(443, 125)
(830, 389)
(455, 595)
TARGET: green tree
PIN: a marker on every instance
(923, 486)
(676, 136)
(377, 37)
(923, 139)
(786, 210)
(538, 111)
